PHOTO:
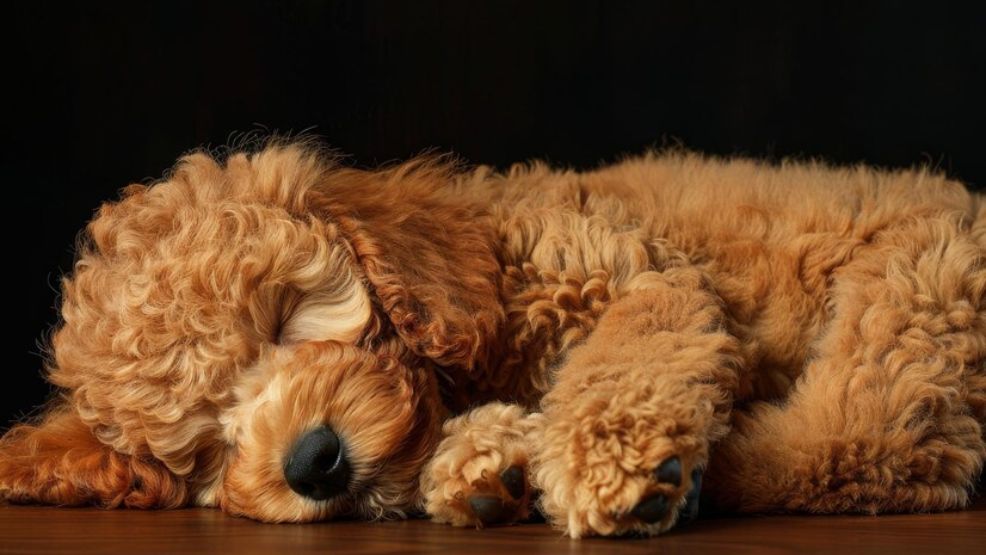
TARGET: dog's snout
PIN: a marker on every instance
(317, 467)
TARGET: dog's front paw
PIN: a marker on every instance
(478, 476)
(620, 464)
(629, 501)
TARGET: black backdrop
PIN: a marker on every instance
(107, 95)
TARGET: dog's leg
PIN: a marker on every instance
(890, 413)
(478, 475)
(630, 420)
(60, 462)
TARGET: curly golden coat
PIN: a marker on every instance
(809, 338)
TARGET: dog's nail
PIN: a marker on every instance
(669, 471)
(651, 509)
(487, 508)
(513, 481)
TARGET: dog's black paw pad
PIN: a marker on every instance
(488, 509)
(651, 509)
(513, 481)
(669, 471)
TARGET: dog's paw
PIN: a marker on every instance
(644, 500)
(673, 498)
(621, 462)
(478, 476)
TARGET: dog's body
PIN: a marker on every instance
(813, 339)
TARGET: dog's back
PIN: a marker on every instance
(770, 236)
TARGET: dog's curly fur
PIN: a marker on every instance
(813, 338)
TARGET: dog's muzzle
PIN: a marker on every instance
(317, 467)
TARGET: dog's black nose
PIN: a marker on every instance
(317, 467)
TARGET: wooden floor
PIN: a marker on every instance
(75, 531)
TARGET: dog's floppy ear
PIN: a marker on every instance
(60, 462)
(427, 253)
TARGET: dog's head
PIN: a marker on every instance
(262, 334)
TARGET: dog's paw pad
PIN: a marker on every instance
(489, 509)
(656, 506)
(669, 471)
(514, 482)
(652, 509)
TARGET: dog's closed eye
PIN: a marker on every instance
(329, 314)
(322, 301)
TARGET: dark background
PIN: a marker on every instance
(107, 95)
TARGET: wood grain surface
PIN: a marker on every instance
(52, 530)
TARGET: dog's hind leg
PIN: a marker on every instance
(889, 415)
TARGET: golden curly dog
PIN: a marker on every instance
(291, 340)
